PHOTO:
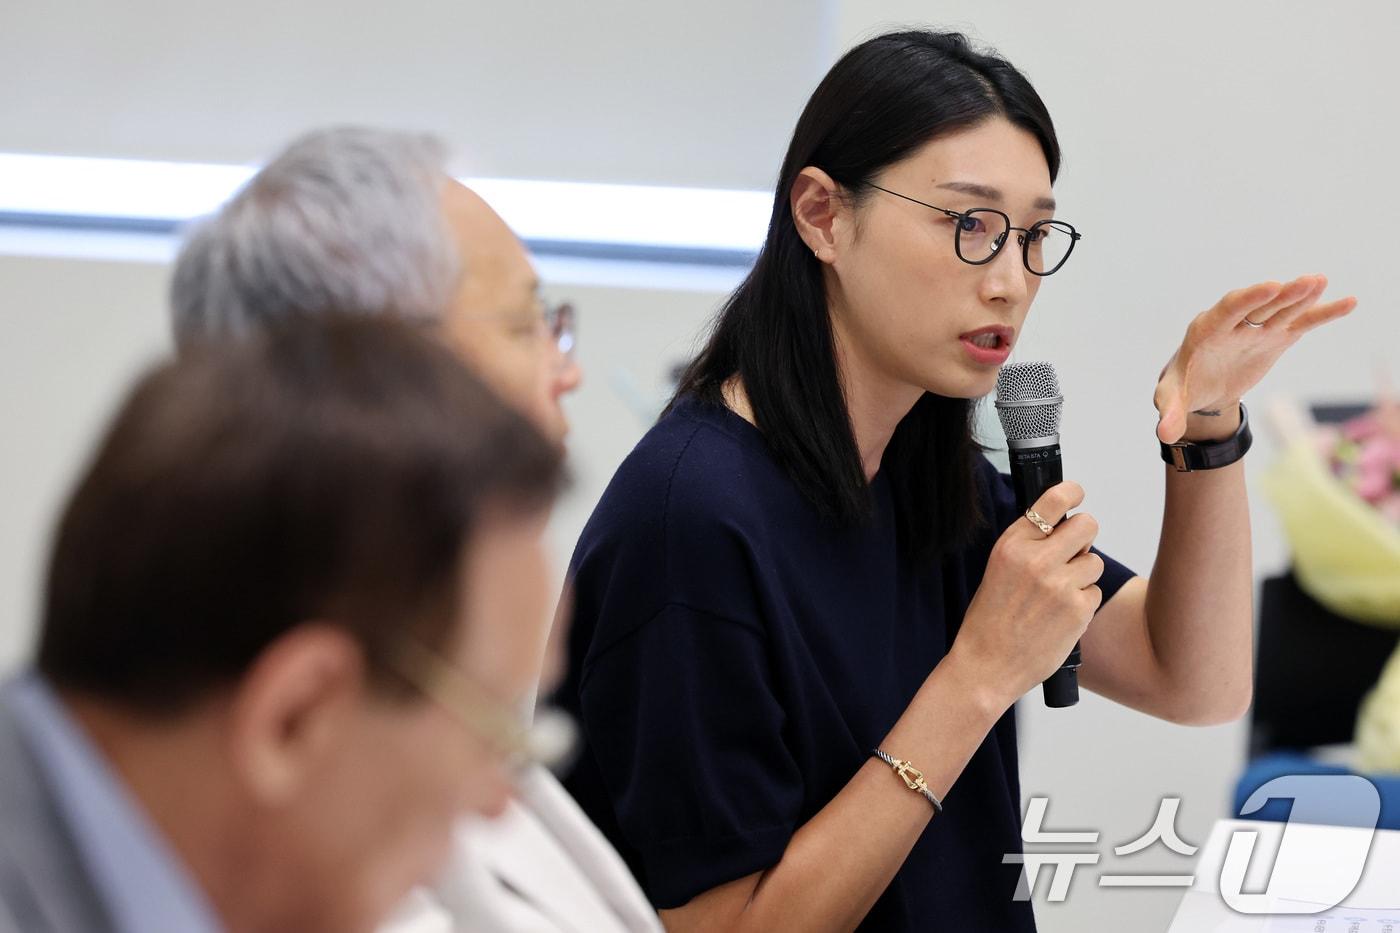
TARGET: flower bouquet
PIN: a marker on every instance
(1337, 491)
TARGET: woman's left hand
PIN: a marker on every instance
(1223, 356)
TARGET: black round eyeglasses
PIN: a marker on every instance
(981, 232)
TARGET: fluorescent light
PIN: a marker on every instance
(58, 189)
(68, 186)
(695, 218)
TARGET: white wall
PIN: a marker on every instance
(75, 334)
(609, 90)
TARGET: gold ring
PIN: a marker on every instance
(1034, 518)
(1252, 324)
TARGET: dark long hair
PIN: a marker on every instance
(883, 100)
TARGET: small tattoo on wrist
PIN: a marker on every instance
(1208, 412)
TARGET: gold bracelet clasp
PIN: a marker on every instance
(913, 777)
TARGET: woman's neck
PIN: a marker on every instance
(874, 403)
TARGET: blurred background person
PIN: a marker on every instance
(284, 637)
(361, 221)
(367, 222)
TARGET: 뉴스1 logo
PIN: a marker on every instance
(1344, 808)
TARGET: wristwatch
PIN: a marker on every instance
(1188, 456)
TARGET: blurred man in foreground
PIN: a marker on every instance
(277, 653)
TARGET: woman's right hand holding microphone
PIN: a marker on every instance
(1037, 597)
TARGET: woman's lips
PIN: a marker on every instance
(989, 346)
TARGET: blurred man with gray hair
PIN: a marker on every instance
(362, 221)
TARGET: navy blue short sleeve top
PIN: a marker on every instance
(734, 659)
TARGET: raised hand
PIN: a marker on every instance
(1229, 348)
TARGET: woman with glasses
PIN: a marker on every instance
(807, 603)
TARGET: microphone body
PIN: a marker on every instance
(1029, 403)
(1033, 471)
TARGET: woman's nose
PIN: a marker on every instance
(1004, 277)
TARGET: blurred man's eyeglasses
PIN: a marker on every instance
(558, 321)
(548, 741)
(562, 322)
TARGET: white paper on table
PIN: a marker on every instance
(1372, 907)
(1338, 920)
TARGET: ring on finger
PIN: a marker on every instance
(1253, 323)
(1034, 518)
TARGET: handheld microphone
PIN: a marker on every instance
(1028, 404)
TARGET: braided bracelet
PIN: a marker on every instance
(912, 776)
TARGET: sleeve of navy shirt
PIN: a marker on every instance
(701, 782)
(681, 724)
(701, 745)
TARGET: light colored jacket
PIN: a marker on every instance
(542, 867)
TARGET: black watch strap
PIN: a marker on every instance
(1188, 457)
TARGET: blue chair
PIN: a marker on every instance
(1279, 764)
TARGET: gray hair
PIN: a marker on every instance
(345, 220)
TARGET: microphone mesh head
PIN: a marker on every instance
(1033, 383)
